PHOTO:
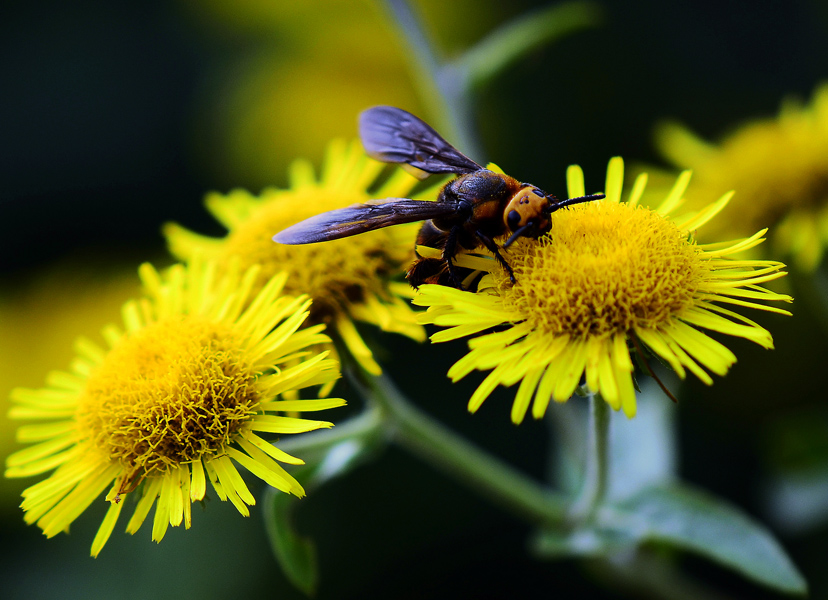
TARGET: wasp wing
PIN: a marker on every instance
(359, 218)
(393, 135)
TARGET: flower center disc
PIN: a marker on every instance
(167, 394)
(604, 268)
(333, 273)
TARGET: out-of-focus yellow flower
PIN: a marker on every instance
(779, 168)
(174, 398)
(350, 279)
(608, 274)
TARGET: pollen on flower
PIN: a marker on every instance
(168, 394)
(603, 270)
(610, 274)
(349, 280)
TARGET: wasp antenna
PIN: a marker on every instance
(563, 203)
(518, 233)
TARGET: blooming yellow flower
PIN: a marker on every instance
(349, 280)
(173, 400)
(609, 274)
(779, 167)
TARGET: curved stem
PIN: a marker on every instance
(439, 445)
(597, 461)
(367, 424)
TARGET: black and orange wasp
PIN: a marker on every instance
(471, 210)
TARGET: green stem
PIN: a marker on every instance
(439, 445)
(445, 87)
(367, 424)
(512, 41)
(597, 461)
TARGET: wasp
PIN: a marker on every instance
(471, 211)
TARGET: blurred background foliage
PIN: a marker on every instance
(118, 117)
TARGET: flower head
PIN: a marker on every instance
(349, 280)
(608, 274)
(172, 400)
(779, 167)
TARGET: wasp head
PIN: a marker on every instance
(527, 214)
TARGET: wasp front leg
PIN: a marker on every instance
(494, 249)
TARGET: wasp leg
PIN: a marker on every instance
(493, 248)
(449, 250)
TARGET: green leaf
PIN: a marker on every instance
(685, 518)
(296, 554)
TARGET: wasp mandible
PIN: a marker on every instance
(471, 210)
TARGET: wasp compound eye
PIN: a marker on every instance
(513, 219)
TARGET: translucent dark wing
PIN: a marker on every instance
(393, 135)
(360, 218)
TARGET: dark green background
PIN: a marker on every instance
(96, 152)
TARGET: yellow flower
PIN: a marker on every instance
(609, 274)
(780, 169)
(173, 399)
(349, 280)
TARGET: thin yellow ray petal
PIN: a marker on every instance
(303, 405)
(40, 451)
(23, 413)
(89, 350)
(186, 503)
(745, 303)
(176, 497)
(28, 434)
(615, 179)
(621, 353)
(61, 480)
(43, 465)
(637, 190)
(108, 524)
(484, 390)
(706, 214)
(655, 341)
(593, 358)
(45, 399)
(233, 485)
(708, 320)
(268, 473)
(528, 385)
(704, 349)
(575, 181)
(607, 381)
(269, 449)
(77, 501)
(198, 483)
(210, 468)
(686, 360)
(278, 424)
(65, 381)
(543, 394)
(161, 519)
(356, 345)
(620, 358)
(676, 195)
(461, 331)
(574, 363)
